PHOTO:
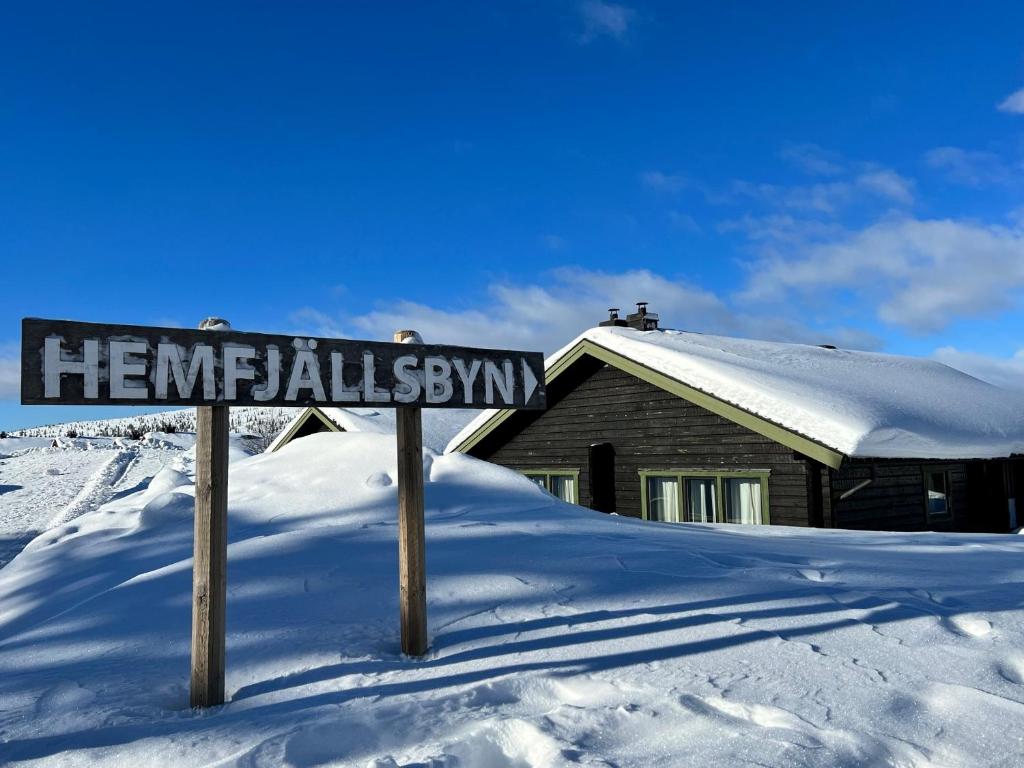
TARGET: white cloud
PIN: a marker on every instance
(813, 160)
(973, 168)
(1014, 103)
(684, 221)
(920, 274)
(603, 19)
(886, 183)
(663, 182)
(827, 198)
(312, 322)
(547, 315)
(1006, 372)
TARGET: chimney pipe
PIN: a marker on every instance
(642, 320)
(613, 318)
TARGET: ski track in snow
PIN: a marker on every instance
(99, 489)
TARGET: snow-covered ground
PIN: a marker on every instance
(42, 486)
(559, 636)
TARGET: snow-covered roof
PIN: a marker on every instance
(438, 424)
(860, 404)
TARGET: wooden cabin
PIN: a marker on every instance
(684, 427)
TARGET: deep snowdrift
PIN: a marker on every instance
(559, 636)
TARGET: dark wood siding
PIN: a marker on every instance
(895, 499)
(311, 426)
(649, 429)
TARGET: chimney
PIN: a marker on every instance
(613, 318)
(642, 320)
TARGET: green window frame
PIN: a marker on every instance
(938, 488)
(550, 481)
(720, 478)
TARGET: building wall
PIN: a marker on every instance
(649, 429)
(895, 499)
(653, 429)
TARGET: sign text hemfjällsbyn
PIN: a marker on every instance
(95, 364)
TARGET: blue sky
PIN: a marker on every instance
(501, 173)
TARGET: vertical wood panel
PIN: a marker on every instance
(412, 576)
(209, 575)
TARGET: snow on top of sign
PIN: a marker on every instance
(862, 404)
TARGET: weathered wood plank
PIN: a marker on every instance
(69, 362)
(209, 571)
(412, 576)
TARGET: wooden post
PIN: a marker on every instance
(209, 571)
(412, 576)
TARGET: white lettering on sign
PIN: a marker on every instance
(85, 363)
(54, 365)
(504, 380)
(339, 393)
(121, 369)
(305, 372)
(233, 372)
(270, 389)
(409, 388)
(529, 382)
(467, 377)
(439, 380)
(169, 364)
(370, 392)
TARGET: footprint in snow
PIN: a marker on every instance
(64, 697)
(967, 625)
(379, 480)
(1011, 669)
(812, 574)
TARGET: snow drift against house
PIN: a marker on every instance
(861, 404)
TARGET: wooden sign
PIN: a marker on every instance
(65, 362)
(91, 364)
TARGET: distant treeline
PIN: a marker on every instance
(264, 424)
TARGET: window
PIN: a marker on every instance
(742, 496)
(704, 496)
(663, 499)
(562, 484)
(700, 499)
(937, 491)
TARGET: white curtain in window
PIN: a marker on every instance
(742, 500)
(700, 500)
(663, 499)
(540, 480)
(564, 488)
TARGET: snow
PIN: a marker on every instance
(861, 404)
(263, 422)
(559, 636)
(439, 424)
(42, 486)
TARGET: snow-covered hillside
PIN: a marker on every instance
(559, 636)
(43, 485)
(264, 423)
